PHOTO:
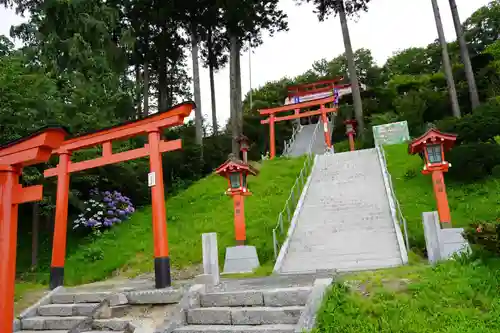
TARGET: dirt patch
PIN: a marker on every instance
(27, 299)
(365, 288)
(149, 317)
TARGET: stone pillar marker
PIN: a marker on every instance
(442, 244)
(211, 256)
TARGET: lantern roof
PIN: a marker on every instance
(432, 136)
(351, 121)
(242, 138)
(233, 164)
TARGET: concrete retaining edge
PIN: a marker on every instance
(190, 300)
(295, 218)
(392, 206)
(307, 318)
(46, 299)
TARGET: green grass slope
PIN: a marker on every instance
(201, 208)
(455, 296)
(468, 202)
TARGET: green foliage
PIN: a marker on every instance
(473, 161)
(485, 235)
(468, 202)
(455, 296)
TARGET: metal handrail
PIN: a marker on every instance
(393, 194)
(293, 198)
(288, 143)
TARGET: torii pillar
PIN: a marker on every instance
(15, 155)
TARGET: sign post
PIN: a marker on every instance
(392, 133)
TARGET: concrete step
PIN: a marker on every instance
(66, 323)
(50, 323)
(65, 331)
(236, 329)
(79, 297)
(267, 297)
(244, 315)
(67, 310)
(341, 266)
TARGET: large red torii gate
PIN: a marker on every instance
(152, 127)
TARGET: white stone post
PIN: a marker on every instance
(211, 257)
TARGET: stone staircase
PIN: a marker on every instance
(60, 312)
(303, 139)
(267, 310)
(345, 222)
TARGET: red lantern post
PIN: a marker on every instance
(236, 172)
(350, 130)
(244, 143)
(434, 144)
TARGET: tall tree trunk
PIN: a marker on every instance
(446, 61)
(35, 220)
(212, 82)
(138, 90)
(196, 85)
(353, 76)
(233, 54)
(162, 83)
(239, 100)
(212, 96)
(145, 109)
(464, 52)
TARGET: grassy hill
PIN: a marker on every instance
(468, 202)
(455, 296)
(201, 208)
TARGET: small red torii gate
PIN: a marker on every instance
(152, 127)
(296, 108)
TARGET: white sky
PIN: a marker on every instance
(389, 26)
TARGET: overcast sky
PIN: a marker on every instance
(389, 26)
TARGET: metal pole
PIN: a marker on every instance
(250, 72)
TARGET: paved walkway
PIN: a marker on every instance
(345, 223)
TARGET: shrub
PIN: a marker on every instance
(104, 209)
(480, 126)
(484, 235)
(473, 161)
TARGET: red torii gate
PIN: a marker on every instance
(152, 126)
(296, 108)
(315, 87)
(14, 156)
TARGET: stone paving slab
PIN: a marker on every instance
(66, 310)
(79, 297)
(266, 315)
(50, 323)
(236, 329)
(155, 296)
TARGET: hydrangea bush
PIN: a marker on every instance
(104, 209)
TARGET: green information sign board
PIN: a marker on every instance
(390, 134)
